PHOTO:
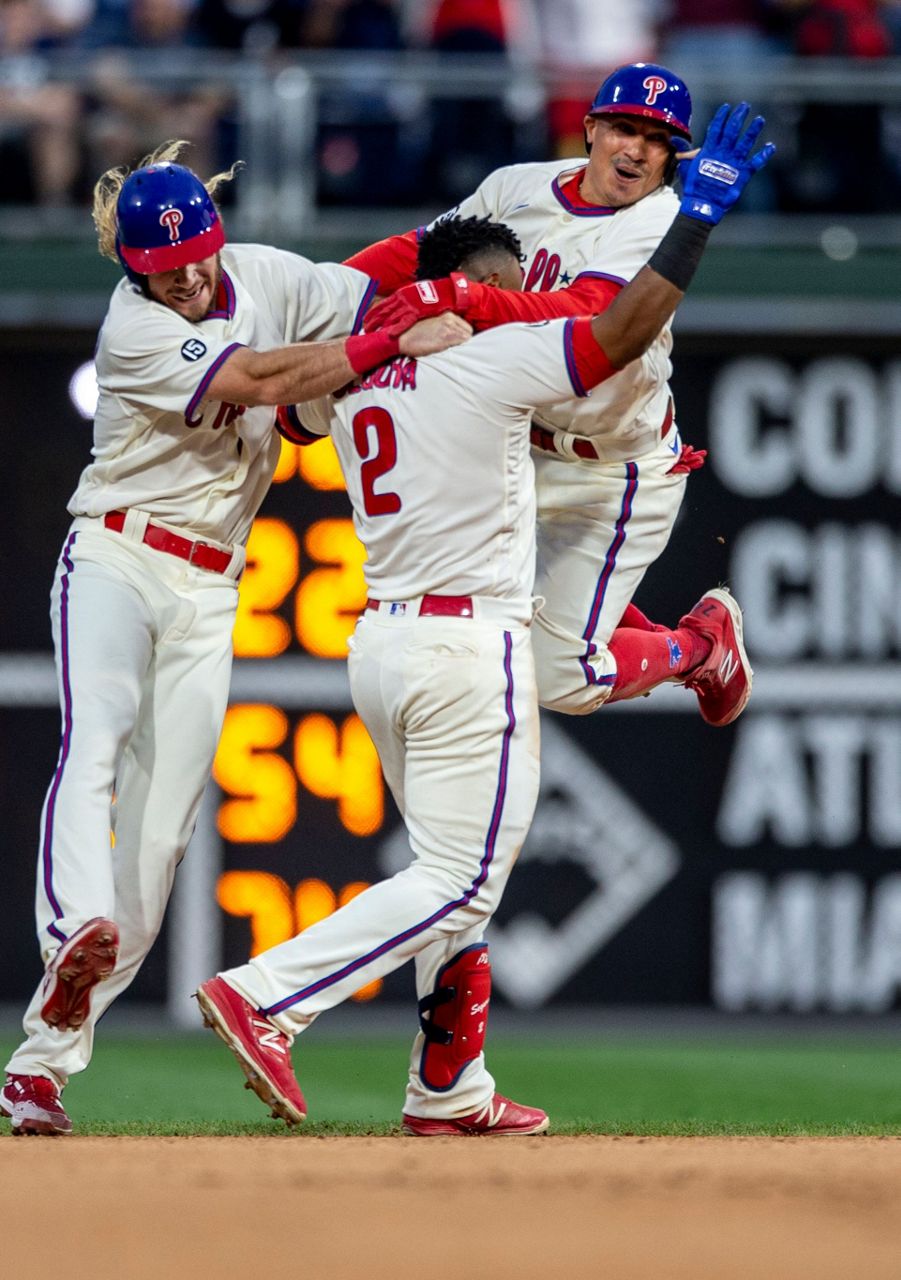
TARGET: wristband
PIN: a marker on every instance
(679, 252)
(365, 351)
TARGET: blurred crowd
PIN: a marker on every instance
(85, 84)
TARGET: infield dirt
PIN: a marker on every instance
(385, 1208)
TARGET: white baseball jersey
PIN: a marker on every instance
(436, 457)
(159, 444)
(563, 240)
(142, 637)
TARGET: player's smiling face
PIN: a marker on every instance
(189, 290)
(627, 161)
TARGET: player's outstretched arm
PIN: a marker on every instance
(286, 375)
(307, 370)
(714, 182)
(485, 306)
(390, 262)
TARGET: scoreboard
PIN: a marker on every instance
(751, 868)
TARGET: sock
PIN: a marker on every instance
(645, 659)
(634, 618)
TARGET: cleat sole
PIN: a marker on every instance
(67, 1004)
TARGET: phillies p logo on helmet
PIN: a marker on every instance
(165, 218)
(648, 91)
(655, 85)
(172, 218)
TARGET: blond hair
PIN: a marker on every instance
(107, 188)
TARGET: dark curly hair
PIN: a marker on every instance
(452, 242)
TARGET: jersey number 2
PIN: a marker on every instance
(381, 461)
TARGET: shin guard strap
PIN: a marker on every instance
(454, 1017)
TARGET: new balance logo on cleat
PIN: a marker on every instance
(729, 666)
(269, 1038)
(262, 1051)
(491, 1118)
(499, 1118)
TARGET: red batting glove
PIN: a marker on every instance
(418, 301)
(689, 459)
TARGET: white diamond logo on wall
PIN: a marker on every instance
(594, 824)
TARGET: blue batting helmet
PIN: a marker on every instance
(165, 219)
(648, 90)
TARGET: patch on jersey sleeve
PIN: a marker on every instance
(193, 349)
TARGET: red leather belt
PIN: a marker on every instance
(541, 438)
(438, 606)
(199, 554)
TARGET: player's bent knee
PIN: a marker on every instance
(454, 1016)
(576, 702)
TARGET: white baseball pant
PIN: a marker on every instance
(451, 706)
(143, 646)
(600, 526)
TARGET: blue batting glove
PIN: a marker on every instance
(721, 170)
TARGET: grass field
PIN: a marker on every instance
(620, 1085)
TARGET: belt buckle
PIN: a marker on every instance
(197, 547)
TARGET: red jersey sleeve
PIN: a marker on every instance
(390, 263)
(588, 296)
(587, 359)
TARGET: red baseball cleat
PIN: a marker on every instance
(723, 680)
(499, 1118)
(263, 1052)
(33, 1105)
(88, 957)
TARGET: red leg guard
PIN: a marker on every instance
(454, 1017)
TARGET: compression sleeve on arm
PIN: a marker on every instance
(677, 256)
(390, 263)
(587, 296)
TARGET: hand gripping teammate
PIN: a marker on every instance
(611, 469)
(441, 665)
(201, 341)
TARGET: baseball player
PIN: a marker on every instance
(610, 469)
(441, 665)
(201, 342)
